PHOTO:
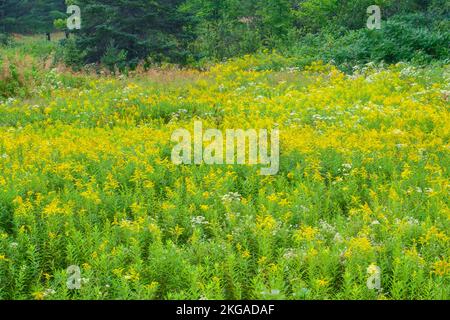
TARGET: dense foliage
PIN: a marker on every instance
(30, 16)
(132, 31)
(123, 33)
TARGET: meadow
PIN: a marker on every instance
(86, 180)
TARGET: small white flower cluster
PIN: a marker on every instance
(247, 20)
(272, 292)
(293, 120)
(326, 227)
(175, 116)
(290, 254)
(10, 101)
(232, 215)
(401, 145)
(199, 220)
(318, 117)
(408, 71)
(231, 197)
(427, 190)
(214, 114)
(34, 107)
(291, 69)
(49, 292)
(330, 231)
(345, 169)
(338, 238)
(304, 208)
(347, 166)
(409, 220)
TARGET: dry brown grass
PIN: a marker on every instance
(55, 36)
(168, 75)
(20, 64)
(15, 75)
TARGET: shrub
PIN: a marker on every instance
(419, 37)
(69, 54)
(5, 39)
(114, 58)
(402, 38)
(15, 77)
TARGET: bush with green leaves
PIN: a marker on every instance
(5, 39)
(139, 28)
(16, 77)
(114, 58)
(70, 54)
(418, 38)
(410, 37)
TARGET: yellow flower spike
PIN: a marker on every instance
(166, 206)
(273, 268)
(287, 216)
(3, 258)
(177, 231)
(322, 282)
(47, 276)
(265, 223)
(118, 272)
(441, 268)
(284, 203)
(406, 173)
(306, 233)
(152, 286)
(262, 260)
(39, 295)
(86, 266)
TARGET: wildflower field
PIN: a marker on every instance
(86, 179)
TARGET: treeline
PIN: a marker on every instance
(124, 33)
(30, 16)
